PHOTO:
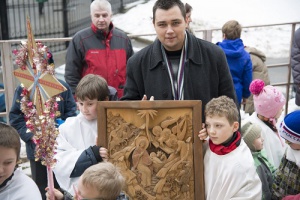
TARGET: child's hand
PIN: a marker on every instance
(203, 133)
(103, 153)
(57, 194)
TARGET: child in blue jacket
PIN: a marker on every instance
(238, 59)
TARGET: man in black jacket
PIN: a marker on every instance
(177, 66)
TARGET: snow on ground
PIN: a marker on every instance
(274, 41)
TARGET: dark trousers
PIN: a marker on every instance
(39, 175)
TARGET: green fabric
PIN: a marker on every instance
(263, 156)
(265, 171)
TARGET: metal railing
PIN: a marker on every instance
(10, 81)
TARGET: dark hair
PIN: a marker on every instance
(93, 87)
(166, 5)
(188, 8)
(9, 138)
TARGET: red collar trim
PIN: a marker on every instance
(95, 29)
(223, 150)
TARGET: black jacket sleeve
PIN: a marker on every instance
(88, 158)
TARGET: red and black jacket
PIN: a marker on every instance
(93, 51)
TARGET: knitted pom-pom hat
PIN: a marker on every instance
(267, 99)
(250, 132)
(290, 128)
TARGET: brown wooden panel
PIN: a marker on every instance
(156, 147)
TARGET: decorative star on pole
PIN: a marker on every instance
(39, 98)
(35, 78)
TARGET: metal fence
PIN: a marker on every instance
(51, 19)
(58, 19)
(8, 61)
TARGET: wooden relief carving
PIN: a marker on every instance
(152, 144)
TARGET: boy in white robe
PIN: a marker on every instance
(14, 184)
(229, 170)
(76, 143)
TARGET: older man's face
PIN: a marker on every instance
(170, 28)
(101, 18)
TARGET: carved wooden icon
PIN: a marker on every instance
(156, 147)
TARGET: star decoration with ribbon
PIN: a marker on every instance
(36, 75)
(39, 104)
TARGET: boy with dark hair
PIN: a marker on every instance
(228, 164)
(238, 59)
(76, 149)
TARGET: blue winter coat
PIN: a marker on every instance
(240, 65)
(67, 108)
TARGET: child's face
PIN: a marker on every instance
(85, 192)
(219, 129)
(8, 161)
(258, 143)
(88, 108)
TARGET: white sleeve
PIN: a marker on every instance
(66, 157)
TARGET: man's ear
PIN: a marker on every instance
(236, 126)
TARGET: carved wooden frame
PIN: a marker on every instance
(116, 118)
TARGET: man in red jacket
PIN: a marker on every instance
(99, 49)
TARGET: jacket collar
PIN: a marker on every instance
(192, 55)
(103, 34)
